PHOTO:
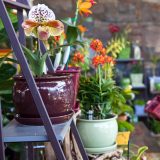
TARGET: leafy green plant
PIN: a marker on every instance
(139, 102)
(155, 126)
(124, 126)
(102, 98)
(4, 40)
(137, 67)
(7, 71)
(36, 60)
(119, 39)
(140, 153)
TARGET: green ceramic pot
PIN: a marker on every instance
(98, 136)
(125, 53)
(125, 82)
(157, 86)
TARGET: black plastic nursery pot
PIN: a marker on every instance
(57, 91)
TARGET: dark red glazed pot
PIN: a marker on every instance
(57, 92)
(76, 74)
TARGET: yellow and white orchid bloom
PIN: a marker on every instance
(41, 23)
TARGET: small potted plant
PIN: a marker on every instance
(56, 89)
(125, 81)
(139, 106)
(154, 127)
(137, 74)
(119, 44)
(124, 130)
(137, 153)
(100, 100)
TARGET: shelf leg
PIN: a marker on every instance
(30, 151)
(2, 154)
(79, 141)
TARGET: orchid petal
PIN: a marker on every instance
(43, 33)
(41, 13)
(29, 26)
(56, 27)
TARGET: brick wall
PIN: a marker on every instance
(142, 15)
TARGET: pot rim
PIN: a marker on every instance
(70, 70)
(98, 120)
(50, 77)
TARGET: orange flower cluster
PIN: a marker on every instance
(109, 59)
(103, 51)
(98, 59)
(101, 60)
(78, 57)
(96, 45)
(85, 6)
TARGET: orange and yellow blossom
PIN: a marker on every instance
(84, 7)
(109, 59)
(96, 45)
(102, 59)
(103, 51)
(78, 57)
(98, 60)
(91, 1)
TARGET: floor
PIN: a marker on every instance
(142, 136)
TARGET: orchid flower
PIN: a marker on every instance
(41, 23)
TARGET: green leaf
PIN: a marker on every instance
(29, 55)
(16, 147)
(72, 34)
(6, 85)
(2, 92)
(8, 60)
(140, 153)
(79, 43)
(125, 126)
(36, 61)
(68, 21)
(7, 71)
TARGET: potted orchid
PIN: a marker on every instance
(119, 44)
(74, 33)
(100, 100)
(56, 89)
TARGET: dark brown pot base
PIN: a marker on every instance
(38, 121)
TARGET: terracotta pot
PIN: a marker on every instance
(122, 117)
(57, 94)
(76, 74)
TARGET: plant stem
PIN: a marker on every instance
(99, 77)
(76, 16)
(38, 47)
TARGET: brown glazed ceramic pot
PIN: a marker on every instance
(57, 92)
(76, 75)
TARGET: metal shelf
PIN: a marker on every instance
(138, 87)
(16, 132)
(128, 60)
(16, 5)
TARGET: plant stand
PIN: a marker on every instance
(15, 132)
